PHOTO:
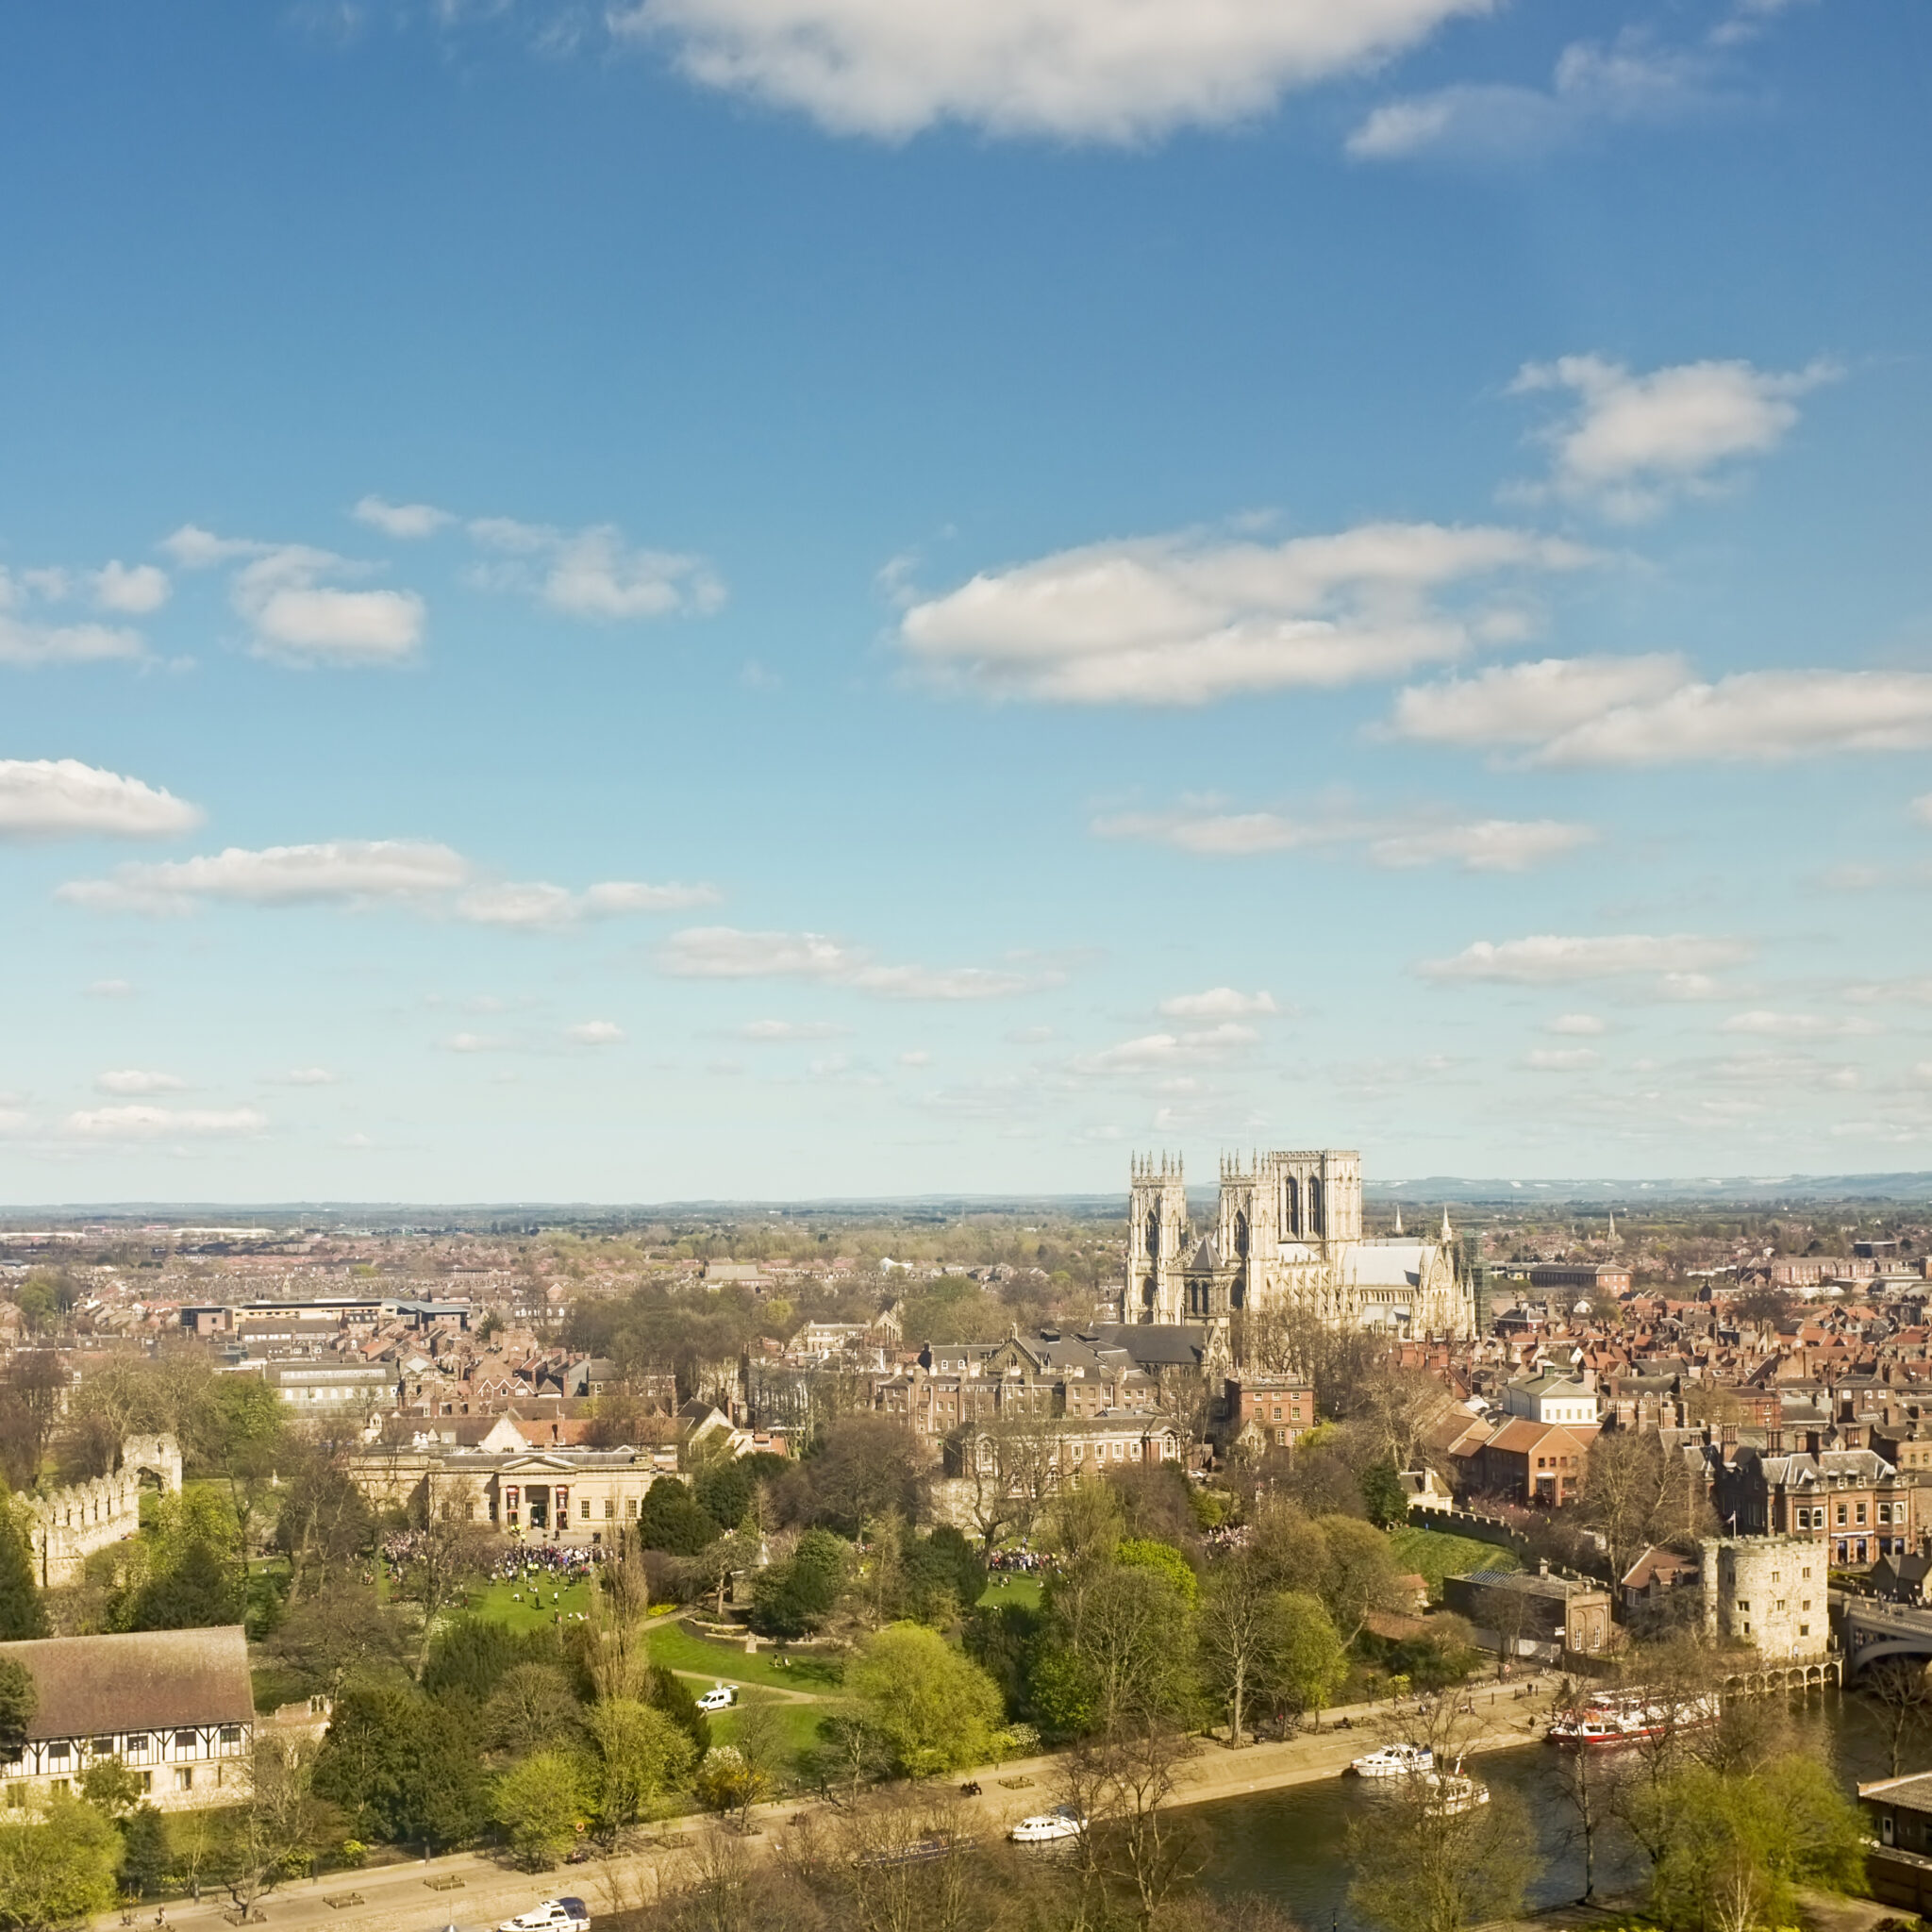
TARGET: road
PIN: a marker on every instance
(476, 1890)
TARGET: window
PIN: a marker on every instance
(1841, 1515)
(1861, 1514)
(104, 1747)
(137, 1744)
(56, 1752)
(1805, 1572)
(64, 1786)
(609, 1508)
(186, 1740)
(184, 1777)
(231, 1734)
(1803, 1629)
(1742, 1605)
(584, 1510)
(16, 1797)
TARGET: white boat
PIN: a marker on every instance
(1047, 1827)
(1394, 1761)
(1454, 1795)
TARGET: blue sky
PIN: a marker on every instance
(782, 597)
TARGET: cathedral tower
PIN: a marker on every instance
(1156, 1241)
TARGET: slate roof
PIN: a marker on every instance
(147, 1680)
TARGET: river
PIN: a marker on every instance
(1290, 1845)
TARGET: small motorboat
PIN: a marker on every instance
(1394, 1761)
(1047, 1827)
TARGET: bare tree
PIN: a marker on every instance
(276, 1832)
(1903, 1692)
(1131, 1841)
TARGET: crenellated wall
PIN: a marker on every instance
(68, 1526)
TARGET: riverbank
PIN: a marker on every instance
(471, 1890)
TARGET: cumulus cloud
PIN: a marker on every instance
(1562, 1060)
(341, 871)
(791, 1029)
(433, 876)
(43, 798)
(1182, 620)
(309, 1077)
(474, 1042)
(594, 573)
(112, 990)
(133, 1080)
(1154, 1051)
(1631, 442)
(1593, 87)
(1218, 1003)
(595, 1033)
(1586, 1024)
(406, 521)
(723, 952)
(29, 638)
(134, 590)
(1546, 958)
(1486, 845)
(1652, 711)
(1074, 70)
(1478, 845)
(1798, 1025)
(287, 594)
(163, 1123)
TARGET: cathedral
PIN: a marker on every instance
(1289, 1231)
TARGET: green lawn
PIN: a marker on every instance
(1012, 1589)
(799, 1723)
(1434, 1554)
(499, 1601)
(678, 1649)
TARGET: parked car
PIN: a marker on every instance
(719, 1697)
(553, 1915)
(1044, 1829)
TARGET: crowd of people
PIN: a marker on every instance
(1021, 1562)
(555, 1562)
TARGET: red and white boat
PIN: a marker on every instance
(1612, 1718)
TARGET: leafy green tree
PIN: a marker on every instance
(1144, 1553)
(341, 1631)
(1358, 1573)
(324, 1524)
(666, 1691)
(1383, 1496)
(236, 1432)
(642, 1758)
(796, 1597)
(1062, 1692)
(206, 1587)
(934, 1706)
(941, 1576)
(537, 1803)
(1736, 1849)
(144, 1851)
(725, 1490)
(403, 1767)
(1132, 1627)
(1000, 1638)
(673, 1521)
(1309, 1663)
(276, 1831)
(470, 1654)
(110, 1787)
(20, 1697)
(57, 1870)
(21, 1613)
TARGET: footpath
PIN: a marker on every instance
(474, 1891)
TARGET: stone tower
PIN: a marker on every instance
(1156, 1241)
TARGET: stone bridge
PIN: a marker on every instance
(1870, 1630)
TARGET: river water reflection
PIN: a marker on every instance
(1291, 1844)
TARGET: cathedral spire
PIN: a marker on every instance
(1447, 1235)
(1398, 1217)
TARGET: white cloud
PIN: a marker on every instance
(539, 904)
(28, 639)
(595, 1033)
(791, 1029)
(1152, 1051)
(1650, 712)
(309, 1077)
(1079, 69)
(1632, 442)
(1479, 846)
(474, 1042)
(1796, 1026)
(132, 1081)
(1593, 87)
(162, 1123)
(112, 990)
(1218, 1003)
(1562, 1060)
(1547, 959)
(345, 869)
(1586, 1024)
(60, 797)
(917, 1057)
(296, 613)
(1177, 620)
(594, 573)
(723, 952)
(131, 591)
(406, 521)
(1487, 845)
